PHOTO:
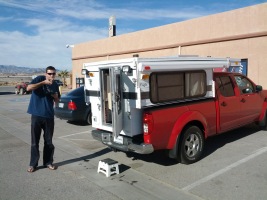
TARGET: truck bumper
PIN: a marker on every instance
(127, 146)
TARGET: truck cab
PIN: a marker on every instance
(240, 101)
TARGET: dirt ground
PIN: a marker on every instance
(13, 80)
(6, 80)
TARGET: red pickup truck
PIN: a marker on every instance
(183, 129)
(146, 104)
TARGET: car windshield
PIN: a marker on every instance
(76, 92)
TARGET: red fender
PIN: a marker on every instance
(182, 121)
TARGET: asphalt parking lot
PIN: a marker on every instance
(233, 166)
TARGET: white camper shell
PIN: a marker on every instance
(120, 90)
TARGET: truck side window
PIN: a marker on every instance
(172, 86)
(225, 86)
(244, 85)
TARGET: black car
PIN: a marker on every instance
(72, 107)
(59, 83)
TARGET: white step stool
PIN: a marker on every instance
(108, 167)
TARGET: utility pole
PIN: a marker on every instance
(112, 26)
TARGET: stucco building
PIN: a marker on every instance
(240, 33)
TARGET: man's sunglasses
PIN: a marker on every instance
(51, 74)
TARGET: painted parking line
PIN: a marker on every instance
(229, 167)
(81, 139)
(73, 134)
(19, 100)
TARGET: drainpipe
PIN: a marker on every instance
(179, 50)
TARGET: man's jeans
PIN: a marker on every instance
(37, 125)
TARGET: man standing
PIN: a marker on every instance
(44, 93)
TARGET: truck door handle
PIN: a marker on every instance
(243, 100)
(117, 97)
(98, 106)
(224, 104)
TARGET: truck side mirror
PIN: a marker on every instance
(247, 91)
(258, 88)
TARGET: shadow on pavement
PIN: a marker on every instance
(214, 143)
(5, 93)
(87, 159)
(78, 123)
(123, 168)
(84, 158)
(211, 145)
(160, 157)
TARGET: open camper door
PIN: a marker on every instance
(116, 95)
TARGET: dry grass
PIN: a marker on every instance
(13, 80)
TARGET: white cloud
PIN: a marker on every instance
(4, 19)
(91, 9)
(48, 46)
(148, 14)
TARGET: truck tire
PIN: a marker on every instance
(263, 123)
(89, 118)
(192, 145)
(21, 91)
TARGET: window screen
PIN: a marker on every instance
(176, 85)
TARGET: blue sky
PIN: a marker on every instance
(34, 33)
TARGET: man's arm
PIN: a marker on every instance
(34, 86)
(55, 96)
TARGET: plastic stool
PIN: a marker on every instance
(108, 167)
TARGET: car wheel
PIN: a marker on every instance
(21, 91)
(89, 118)
(192, 145)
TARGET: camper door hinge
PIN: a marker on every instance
(134, 81)
(129, 115)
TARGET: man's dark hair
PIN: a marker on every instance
(50, 68)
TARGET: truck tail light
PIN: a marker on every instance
(148, 123)
(147, 67)
(72, 106)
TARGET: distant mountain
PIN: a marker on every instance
(12, 69)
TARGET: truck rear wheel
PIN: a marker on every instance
(89, 118)
(21, 91)
(192, 144)
(263, 123)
